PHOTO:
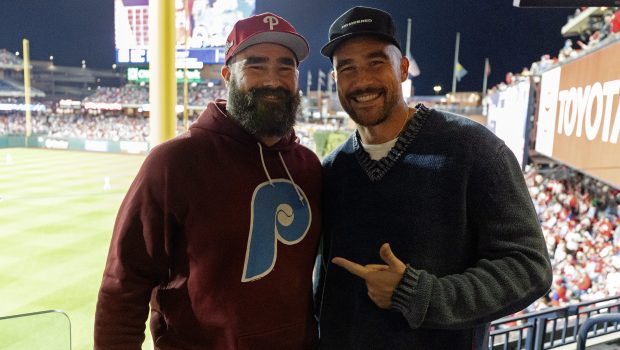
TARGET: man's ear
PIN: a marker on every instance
(404, 69)
(334, 76)
(226, 73)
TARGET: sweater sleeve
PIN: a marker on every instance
(512, 268)
(136, 264)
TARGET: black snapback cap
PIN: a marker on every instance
(360, 20)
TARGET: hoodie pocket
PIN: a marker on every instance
(302, 336)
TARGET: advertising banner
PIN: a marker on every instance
(579, 114)
(507, 115)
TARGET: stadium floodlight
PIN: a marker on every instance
(16, 53)
(437, 89)
(565, 3)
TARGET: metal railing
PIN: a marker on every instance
(551, 328)
(590, 327)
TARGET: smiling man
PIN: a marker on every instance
(443, 192)
(218, 233)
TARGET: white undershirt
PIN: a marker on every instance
(379, 151)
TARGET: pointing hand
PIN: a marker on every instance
(381, 280)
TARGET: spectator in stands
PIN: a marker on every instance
(567, 51)
(580, 220)
(443, 192)
(615, 22)
(199, 231)
(137, 95)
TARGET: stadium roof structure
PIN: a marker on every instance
(564, 3)
(582, 22)
(8, 60)
(10, 88)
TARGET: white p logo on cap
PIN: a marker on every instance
(273, 21)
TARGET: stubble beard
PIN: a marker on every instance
(368, 121)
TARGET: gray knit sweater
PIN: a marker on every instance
(451, 200)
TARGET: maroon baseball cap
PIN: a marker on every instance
(265, 28)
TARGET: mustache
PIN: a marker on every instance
(369, 90)
(279, 92)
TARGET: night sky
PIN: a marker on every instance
(73, 30)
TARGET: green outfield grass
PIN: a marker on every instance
(57, 210)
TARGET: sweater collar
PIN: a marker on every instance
(376, 169)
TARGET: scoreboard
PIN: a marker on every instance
(202, 25)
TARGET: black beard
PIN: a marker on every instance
(259, 116)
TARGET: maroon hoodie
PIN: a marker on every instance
(219, 232)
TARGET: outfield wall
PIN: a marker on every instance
(326, 142)
(75, 144)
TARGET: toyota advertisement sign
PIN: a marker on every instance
(579, 114)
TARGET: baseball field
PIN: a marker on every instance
(57, 210)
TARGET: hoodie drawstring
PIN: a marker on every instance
(301, 198)
(262, 159)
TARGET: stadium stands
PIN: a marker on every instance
(112, 125)
(131, 95)
(5, 86)
(580, 218)
(579, 215)
(9, 60)
(128, 95)
(557, 327)
(10, 88)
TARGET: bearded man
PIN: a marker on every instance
(218, 233)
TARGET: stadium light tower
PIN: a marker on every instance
(118, 73)
(83, 64)
(437, 89)
(52, 74)
(17, 53)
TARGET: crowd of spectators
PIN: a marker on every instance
(201, 94)
(126, 95)
(601, 29)
(111, 126)
(12, 100)
(580, 219)
(137, 95)
(116, 126)
(606, 23)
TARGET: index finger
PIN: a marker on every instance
(350, 266)
(377, 267)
